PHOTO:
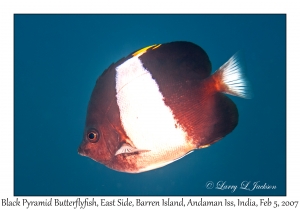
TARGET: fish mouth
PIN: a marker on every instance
(81, 151)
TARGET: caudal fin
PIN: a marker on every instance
(230, 78)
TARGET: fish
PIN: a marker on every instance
(159, 104)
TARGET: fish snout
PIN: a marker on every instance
(81, 150)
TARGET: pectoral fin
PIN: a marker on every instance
(126, 148)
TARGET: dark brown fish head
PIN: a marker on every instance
(95, 142)
(100, 138)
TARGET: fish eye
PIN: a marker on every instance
(93, 135)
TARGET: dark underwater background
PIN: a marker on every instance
(57, 59)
